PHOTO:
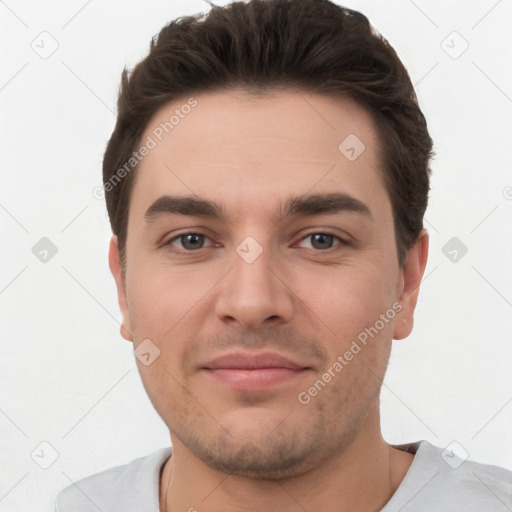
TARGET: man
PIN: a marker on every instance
(266, 183)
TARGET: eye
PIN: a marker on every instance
(188, 241)
(321, 241)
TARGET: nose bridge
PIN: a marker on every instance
(252, 268)
(252, 294)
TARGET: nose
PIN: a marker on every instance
(255, 294)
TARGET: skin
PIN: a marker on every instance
(250, 154)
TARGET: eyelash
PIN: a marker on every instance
(341, 241)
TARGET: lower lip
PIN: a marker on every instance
(257, 379)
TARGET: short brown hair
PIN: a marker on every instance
(311, 45)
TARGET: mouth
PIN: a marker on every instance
(253, 372)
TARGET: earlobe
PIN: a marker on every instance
(411, 276)
(115, 267)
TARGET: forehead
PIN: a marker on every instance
(246, 148)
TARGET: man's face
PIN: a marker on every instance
(253, 297)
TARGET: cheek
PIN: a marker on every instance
(349, 302)
(164, 300)
(357, 339)
(163, 307)
(348, 294)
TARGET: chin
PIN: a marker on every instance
(261, 463)
(273, 456)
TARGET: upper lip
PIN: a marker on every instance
(245, 361)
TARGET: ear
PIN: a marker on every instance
(409, 286)
(114, 263)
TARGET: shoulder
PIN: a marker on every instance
(133, 486)
(478, 485)
(439, 479)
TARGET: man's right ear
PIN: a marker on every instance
(114, 262)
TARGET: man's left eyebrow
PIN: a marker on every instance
(318, 204)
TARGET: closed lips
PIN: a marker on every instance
(240, 361)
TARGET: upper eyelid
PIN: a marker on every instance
(198, 231)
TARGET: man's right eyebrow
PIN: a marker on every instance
(183, 205)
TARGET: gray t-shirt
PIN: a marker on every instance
(434, 483)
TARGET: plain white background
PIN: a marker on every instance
(67, 376)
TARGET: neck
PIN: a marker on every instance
(363, 476)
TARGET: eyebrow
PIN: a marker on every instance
(305, 205)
